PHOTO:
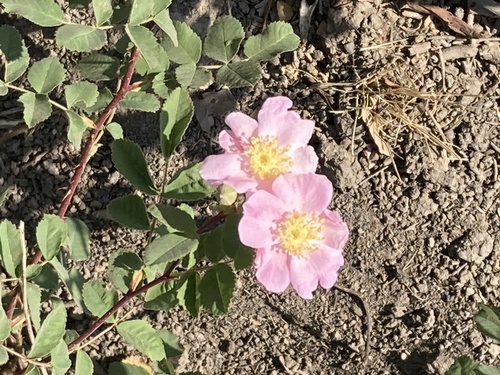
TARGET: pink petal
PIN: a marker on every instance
(226, 169)
(229, 142)
(326, 262)
(303, 276)
(336, 232)
(304, 160)
(260, 213)
(272, 270)
(276, 120)
(304, 192)
(243, 126)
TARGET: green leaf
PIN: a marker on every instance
(51, 233)
(462, 366)
(175, 219)
(79, 4)
(129, 211)
(238, 74)
(145, 41)
(130, 162)
(160, 297)
(212, 245)
(80, 38)
(51, 331)
(122, 266)
(488, 321)
(169, 248)
(173, 347)
(163, 84)
(143, 337)
(99, 67)
(140, 101)
(74, 282)
(121, 368)
(47, 278)
(188, 294)
(4, 194)
(140, 12)
(45, 75)
(487, 370)
(99, 300)
(223, 39)
(37, 108)
(115, 129)
(83, 365)
(175, 117)
(278, 38)
(32, 370)
(243, 256)
(4, 325)
(216, 288)
(42, 12)
(70, 335)
(104, 98)
(3, 91)
(76, 128)
(15, 53)
(83, 91)
(10, 247)
(4, 356)
(188, 49)
(164, 22)
(59, 359)
(188, 75)
(187, 185)
(78, 239)
(103, 11)
(34, 297)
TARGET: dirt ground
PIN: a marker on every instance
(407, 129)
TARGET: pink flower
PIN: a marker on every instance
(256, 152)
(298, 240)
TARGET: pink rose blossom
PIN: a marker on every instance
(258, 151)
(298, 240)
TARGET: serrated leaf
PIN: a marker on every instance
(129, 211)
(188, 75)
(488, 321)
(173, 347)
(99, 67)
(80, 38)
(143, 337)
(10, 247)
(59, 359)
(243, 256)
(187, 185)
(223, 39)
(188, 294)
(103, 11)
(76, 128)
(160, 297)
(34, 296)
(15, 53)
(51, 331)
(140, 12)
(188, 49)
(130, 162)
(175, 219)
(84, 364)
(278, 38)
(163, 84)
(122, 267)
(120, 368)
(216, 288)
(175, 117)
(51, 233)
(115, 129)
(487, 370)
(238, 74)
(4, 325)
(42, 12)
(212, 245)
(37, 108)
(46, 278)
(147, 44)
(74, 282)
(104, 98)
(45, 75)
(4, 356)
(83, 91)
(99, 300)
(3, 91)
(164, 22)
(140, 101)
(78, 239)
(168, 248)
(462, 366)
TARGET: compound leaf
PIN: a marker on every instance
(278, 38)
(239, 74)
(188, 48)
(145, 41)
(223, 39)
(80, 38)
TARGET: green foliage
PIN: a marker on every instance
(4, 194)
(187, 185)
(123, 265)
(81, 92)
(164, 22)
(160, 297)
(188, 294)
(129, 211)
(42, 12)
(83, 365)
(188, 49)
(51, 233)
(140, 101)
(99, 67)
(121, 368)
(3, 91)
(488, 321)
(238, 74)
(145, 41)
(15, 53)
(73, 280)
(242, 255)
(78, 244)
(104, 98)
(4, 356)
(34, 297)
(115, 129)
(45, 75)
(10, 247)
(467, 366)
(51, 331)
(174, 219)
(188, 75)
(80, 38)
(223, 39)
(98, 299)
(212, 245)
(60, 359)
(130, 162)
(163, 83)
(37, 108)
(278, 38)
(143, 337)
(4, 325)
(46, 277)
(76, 128)
(168, 248)
(103, 11)
(216, 288)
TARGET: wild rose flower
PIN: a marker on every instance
(298, 240)
(256, 152)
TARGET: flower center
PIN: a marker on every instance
(300, 233)
(267, 159)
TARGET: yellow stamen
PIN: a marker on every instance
(267, 160)
(300, 233)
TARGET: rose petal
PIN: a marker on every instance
(326, 262)
(303, 276)
(226, 169)
(260, 213)
(229, 142)
(243, 126)
(272, 270)
(336, 232)
(304, 160)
